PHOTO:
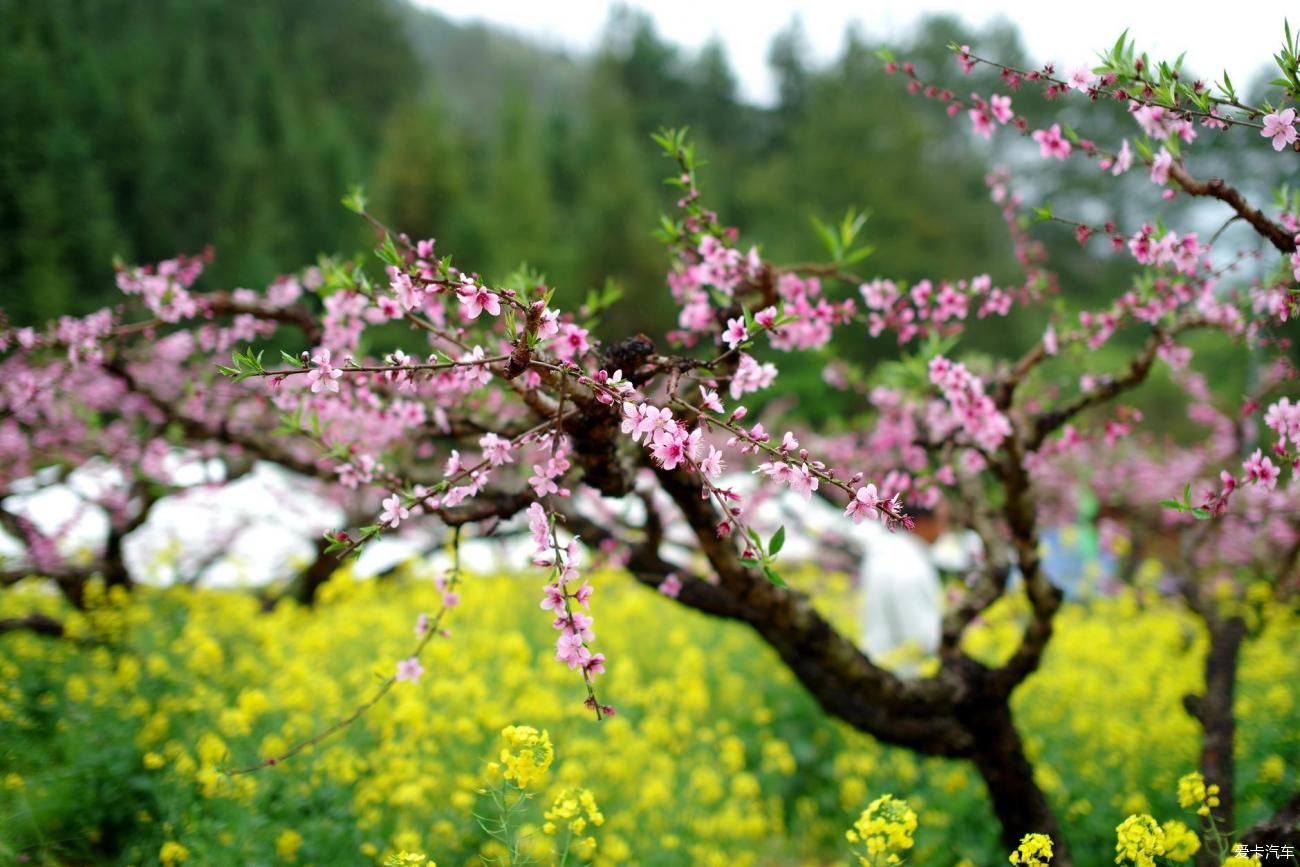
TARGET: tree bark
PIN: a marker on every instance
(963, 712)
(1020, 805)
(1213, 711)
(1280, 829)
(311, 579)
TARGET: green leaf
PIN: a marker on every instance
(389, 253)
(355, 200)
(777, 542)
(1171, 504)
(828, 238)
(774, 577)
(859, 254)
(1118, 51)
(335, 544)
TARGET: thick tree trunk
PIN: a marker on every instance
(314, 576)
(1218, 724)
(963, 712)
(1280, 829)
(1020, 805)
(115, 571)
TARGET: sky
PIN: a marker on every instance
(1067, 33)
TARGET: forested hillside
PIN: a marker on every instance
(143, 130)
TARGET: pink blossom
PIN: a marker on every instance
(571, 342)
(803, 482)
(475, 299)
(577, 623)
(669, 449)
(324, 376)
(1082, 79)
(1160, 167)
(1049, 341)
(1283, 417)
(653, 421)
(593, 666)
(543, 479)
(409, 295)
(495, 449)
(1261, 470)
(865, 504)
(549, 324)
(421, 625)
(671, 586)
(474, 374)
(710, 400)
(409, 669)
(713, 465)
(539, 526)
(970, 409)
(1122, 162)
(1280, 127)
(1051, 144)
(570, 650)
(966, 61)
(394, 512)
(735, 334)
(583, 594)
(979, 119)
(1001, 108)
(553, 600)
(751, 376)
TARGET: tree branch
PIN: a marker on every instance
(38, 623)
(1217, 188)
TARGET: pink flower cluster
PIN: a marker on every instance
(1183, 253)
(1161, 123)
(711, 264)
(562, 598)
(671, 442)
(925, 307)
(813, 316)
(165, 289)
(971, 411)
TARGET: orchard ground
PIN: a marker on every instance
(115, 750)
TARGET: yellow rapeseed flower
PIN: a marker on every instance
(1035, 850)
(1192, 792)
(884, 829)
(527, 756)
(1181, 842)
(288, 844)
(1138, 840)
(408, 859)
(173, 853)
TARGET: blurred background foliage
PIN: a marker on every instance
(144, 130)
